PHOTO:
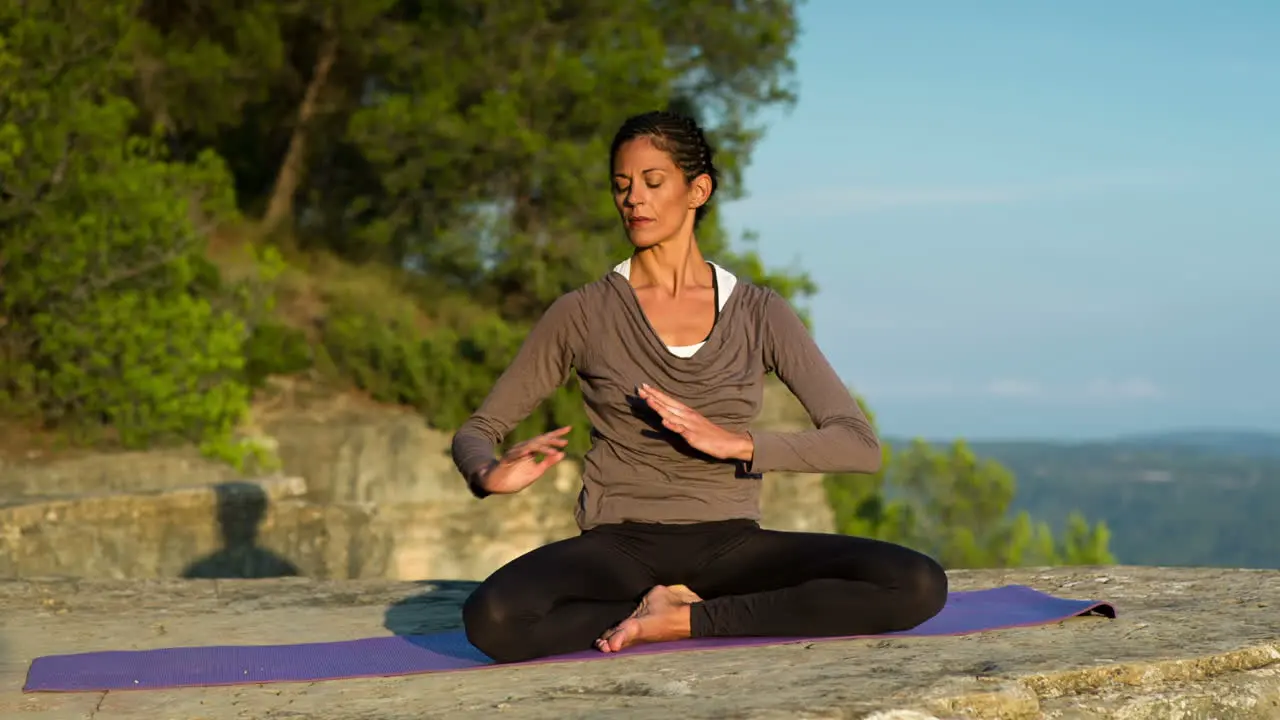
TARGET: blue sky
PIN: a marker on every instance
(1050, 220)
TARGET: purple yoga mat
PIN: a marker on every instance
(966, 612)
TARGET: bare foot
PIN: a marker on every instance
(684, 593)
(663, 615)
(680, 591)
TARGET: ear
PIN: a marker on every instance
(699, 191)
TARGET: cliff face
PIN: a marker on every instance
(366, 492)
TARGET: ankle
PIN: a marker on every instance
(682, 619)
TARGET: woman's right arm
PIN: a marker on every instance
(540, 367)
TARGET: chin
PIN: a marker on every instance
(643, 238)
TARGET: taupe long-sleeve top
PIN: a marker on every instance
(636, 470)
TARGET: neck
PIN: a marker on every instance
(672, 265)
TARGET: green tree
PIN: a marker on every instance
(956, 507)
(491, 155)
(1085, 544)
(111, 316)
(466, 140)
(268, 84)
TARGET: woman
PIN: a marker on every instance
(672, 353)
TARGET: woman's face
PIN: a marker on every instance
(651, 194)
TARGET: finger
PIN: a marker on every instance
(519, 456)
(673, 406)
(661, 396)
(675, 425)
(519, 460)
(683, 417)
(539, 444)
(550, 460)
(660, 407)
(537, 461)
(558, 432)
(662, 404)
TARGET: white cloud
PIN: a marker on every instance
(1130, 389)
(870, 198)
(838, 201)
(1095, 391)
(910, 389)
(1013, 388)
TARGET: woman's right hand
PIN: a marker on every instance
(520, 466)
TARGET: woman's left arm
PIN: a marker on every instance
(842, 439)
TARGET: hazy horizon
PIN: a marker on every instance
(1273, 436)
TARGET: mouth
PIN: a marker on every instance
(638, 221)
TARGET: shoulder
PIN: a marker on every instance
(583, 295)
(761, 302)
(573, 309)
(597, 290)
(565, 317)
(584, 300)
(776, 322)
(568, 309)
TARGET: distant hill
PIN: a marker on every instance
(1174, 498)
(1231, 442)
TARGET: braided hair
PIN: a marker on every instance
(680, 137)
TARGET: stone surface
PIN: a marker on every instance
(39, 475)
(1188, 643)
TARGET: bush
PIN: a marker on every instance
(274, 348)
(107, 315)
(444, 372)
(955, 507)
(155, 369)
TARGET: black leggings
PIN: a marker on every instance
(560, 597)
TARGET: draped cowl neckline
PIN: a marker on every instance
(694, 375)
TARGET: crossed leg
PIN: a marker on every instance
(790, 584)
(555, 599)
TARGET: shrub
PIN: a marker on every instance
(444, 372)
(104, 292)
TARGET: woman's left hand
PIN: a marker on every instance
(699, 432)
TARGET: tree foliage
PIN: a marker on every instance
(956, 507)
(467, 140)
(111, 313)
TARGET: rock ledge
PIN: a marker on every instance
(1200, 643)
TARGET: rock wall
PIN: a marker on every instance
(367, 492)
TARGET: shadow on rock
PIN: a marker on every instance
(241, 509)
(432, 620)
(437, 609)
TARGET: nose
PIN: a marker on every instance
(635, 195)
